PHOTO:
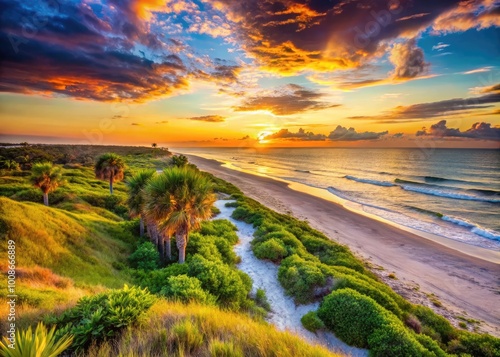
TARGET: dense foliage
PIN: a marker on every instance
(97, 318)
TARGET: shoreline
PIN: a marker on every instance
(492, 256)
(450, 270)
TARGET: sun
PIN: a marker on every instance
(262, 136)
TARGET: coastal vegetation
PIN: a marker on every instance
(86, 268)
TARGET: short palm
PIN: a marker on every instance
(109, 167)
(47, 178)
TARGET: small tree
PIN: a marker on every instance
(179, 160)
(109, 167)
(47, 178)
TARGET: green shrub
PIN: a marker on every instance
(435, 325)
(300, 277)
(215, 211)
(477, 345)
(430, 344)
(145, 257)
(220, 280)
(42, 342)
(272, 249)
(220, 228)
(312, 322)
(261, 299)
(186, 289)
(394, 340)
(102, 316)
(370, 290)
(352, 316)
(155, 280)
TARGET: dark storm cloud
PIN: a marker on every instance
(70, 51)
(289, 99)
(479, 130)
(438, 109)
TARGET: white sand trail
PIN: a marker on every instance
(285, 315)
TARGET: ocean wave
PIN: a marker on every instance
(459, 221)
(487, 233)
(303, 171)
(371, 182)
(448, 194)
(475, 228)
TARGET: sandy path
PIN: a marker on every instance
(461, 282)
(285, 315)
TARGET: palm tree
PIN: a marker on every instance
(47, 177)
(135, 198)
(179, 199)
(109, 167)
(179, 160)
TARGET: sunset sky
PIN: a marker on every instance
(367, 73)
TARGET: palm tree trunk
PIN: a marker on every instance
(160, 244)
(168, 247)
(141, 227)
(45, 199)
(111, 184)
(181, 239)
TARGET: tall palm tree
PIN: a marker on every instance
(180, 199)
(135, 198)
(109, 167)
(47, 177)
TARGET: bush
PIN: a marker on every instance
(220, 280)
(394, 340)
(435, 325)
(186, 289)
(261, 299)
(352, 316)
(220, 228)
(477, 345)
(312, 322)
(431, 345)
(146, 257)
(157, 279)
(300, 277)
(102, 316)
(370, 290)
(272, 249)
(42, 342)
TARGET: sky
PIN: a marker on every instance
(180, 73)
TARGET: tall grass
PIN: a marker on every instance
(174, 329)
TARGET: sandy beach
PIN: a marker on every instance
(464, 283)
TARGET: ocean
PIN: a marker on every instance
(453, 193)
